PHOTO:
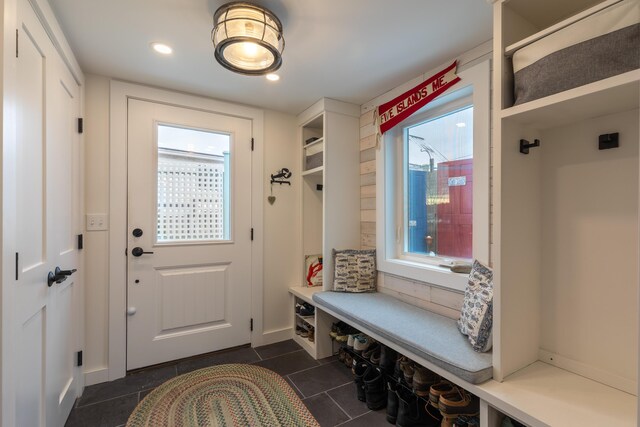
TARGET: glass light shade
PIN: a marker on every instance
(247, 38)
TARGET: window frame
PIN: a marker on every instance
(474, 85)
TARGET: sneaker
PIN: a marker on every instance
(307, 309)
(423, 379)
(366, 354)
(311, 336)
(375, 356)
(458, 402)
(348, 360)
(437, 390)
(344, 331)
(350, 340)
(298, 306)
(361, 343)
(341, 354)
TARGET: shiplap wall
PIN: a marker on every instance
(421, 294)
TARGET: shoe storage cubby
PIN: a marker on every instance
(411, 404)
(328, 143)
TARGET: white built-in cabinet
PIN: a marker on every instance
(565, 239)
(330, 185)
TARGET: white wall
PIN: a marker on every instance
(281, 225)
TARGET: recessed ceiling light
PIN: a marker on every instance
(162, 48)
(273, 77)
(461, 125)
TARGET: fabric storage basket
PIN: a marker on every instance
(597, 47)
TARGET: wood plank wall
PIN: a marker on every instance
(420, 294)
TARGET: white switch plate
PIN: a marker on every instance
(97, 222)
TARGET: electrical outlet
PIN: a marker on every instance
(97, 222)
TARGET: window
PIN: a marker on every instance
(437, 157)
(433, 185)
(193, 185)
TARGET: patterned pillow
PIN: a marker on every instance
(355, 270)
(476, 317)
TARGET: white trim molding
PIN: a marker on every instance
(120, 92)
(476, 80)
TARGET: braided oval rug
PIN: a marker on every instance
(223, 395)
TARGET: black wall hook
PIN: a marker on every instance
(281, 177)
(525, 145)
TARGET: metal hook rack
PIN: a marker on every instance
(281, 176)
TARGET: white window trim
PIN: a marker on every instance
(388, 260)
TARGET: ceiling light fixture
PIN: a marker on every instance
(162, 48)
(273, 77)
(247, 38)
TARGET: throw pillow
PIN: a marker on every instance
(476, 317)
(355, 270)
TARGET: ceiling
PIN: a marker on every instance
(350, 50)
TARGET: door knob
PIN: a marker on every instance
(55, 278)
(131, 311)
(137, 232)
(64, 272)
(138, 251)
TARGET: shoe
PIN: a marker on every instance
(392, 401)
(388, 357)
(298, 308)
(344, 331)
(458, 402)
(307, 309)
(359, 371)
(311, 336)
(471, 421)
(304, 333)
(361, 343)
(350, 340)
(412, 411)
(423, 379)
(348, 360)
(407, 368)
(366, 354)
(334, 330)
(375, 356)
(437, 390)
(341, 354)
(375, 389)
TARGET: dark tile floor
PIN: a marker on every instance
(325, 386)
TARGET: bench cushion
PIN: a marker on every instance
(431, 336)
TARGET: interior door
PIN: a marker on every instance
(48, 219)
(189, 232)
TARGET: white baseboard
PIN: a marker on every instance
(594, 373)
(271, 337)
(96, 376)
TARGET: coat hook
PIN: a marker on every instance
(525, 145)
(281, 177)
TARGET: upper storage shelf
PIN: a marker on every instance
(558, 26)
(609, 96)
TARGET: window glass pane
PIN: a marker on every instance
(439, 186)
(193, 185)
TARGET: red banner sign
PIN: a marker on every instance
(393, 112)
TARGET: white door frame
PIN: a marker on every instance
(120, 92)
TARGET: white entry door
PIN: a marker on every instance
(189, 232)
(46, 314)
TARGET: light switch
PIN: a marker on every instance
(97, 222)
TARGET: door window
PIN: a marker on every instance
(193, 185)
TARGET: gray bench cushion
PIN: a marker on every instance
(431, 336)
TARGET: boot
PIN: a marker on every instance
(438, 389)
(388, 357)
(392, 401)
(412, 411)
(456, 403)
(375, 389)
(408, 368)
(359, 371)
(423, 379)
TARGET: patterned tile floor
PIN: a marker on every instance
(325, 386)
